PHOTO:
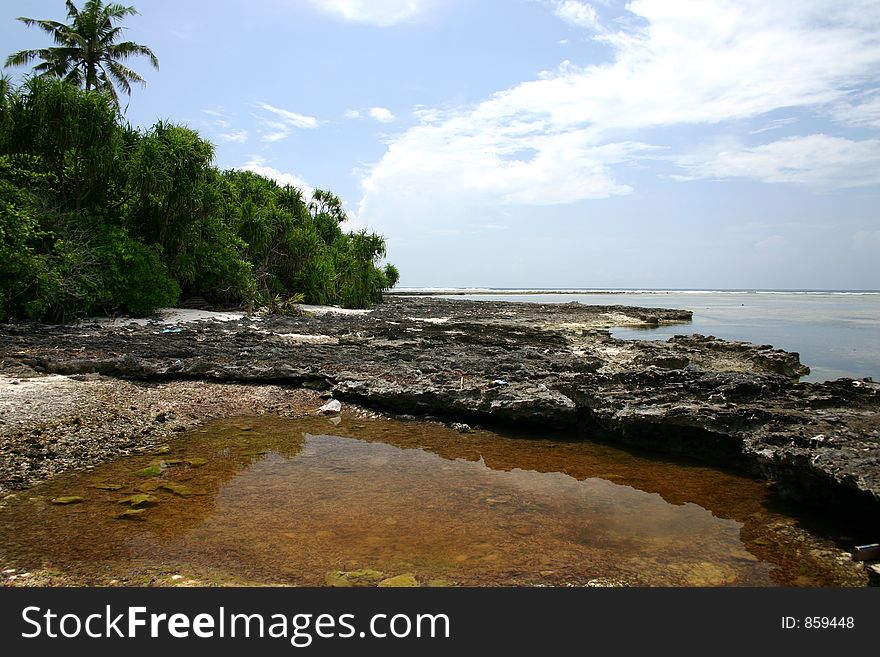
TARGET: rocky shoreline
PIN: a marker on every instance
(492, 363)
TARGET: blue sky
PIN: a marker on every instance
(545, 143)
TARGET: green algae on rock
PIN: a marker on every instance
(139, 501)
(106, 486)
(356, 578)
(407, 580)
(153, 470)
(178, 489)
(68, 499)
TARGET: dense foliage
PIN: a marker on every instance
(98, 217)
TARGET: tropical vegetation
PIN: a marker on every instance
(88, 50)
(99, 217)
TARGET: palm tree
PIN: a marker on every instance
(88, 51)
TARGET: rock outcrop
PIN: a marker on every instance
(549, 366)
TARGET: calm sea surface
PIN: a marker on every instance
(837, 334)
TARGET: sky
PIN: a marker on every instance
(696, 144)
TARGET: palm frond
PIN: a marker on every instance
(88, 50)
(72, 11)
(58, 31)
(128, 49)
(22, 57)
(123, 76)
(106, 87)
(116, 10)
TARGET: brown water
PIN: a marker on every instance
(271, 500)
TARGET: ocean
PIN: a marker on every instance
(836, 333)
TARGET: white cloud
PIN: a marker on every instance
(863, 112)
(271, 137)
(289, 118)
(377, 12)
(222, 120)
(259, 165)
(579, 14)
(284, 123)
(818, 161)
(773, 125)
(236, 136)
(352, 114)
(684, 63)
(381, 114)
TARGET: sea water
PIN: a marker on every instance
(837, 334)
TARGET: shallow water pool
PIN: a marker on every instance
(286, 501)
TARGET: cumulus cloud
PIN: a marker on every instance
(283, 123)
(818, 161)
(352, 114)
(685, 63)
(381, 114)
(260, 166)
(376, 12)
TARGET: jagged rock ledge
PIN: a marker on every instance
(547, 366)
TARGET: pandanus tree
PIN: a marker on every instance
(88, 50)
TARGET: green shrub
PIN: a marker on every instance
(97, 217)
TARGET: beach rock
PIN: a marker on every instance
(331, 407)
(730, 403)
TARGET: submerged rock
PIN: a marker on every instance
(407, 580)
(153, 470)
(357, 578)
(105, 486)
(139, 501)
(553, 367)
(68, 499)
(130, 514)
(178, 489)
